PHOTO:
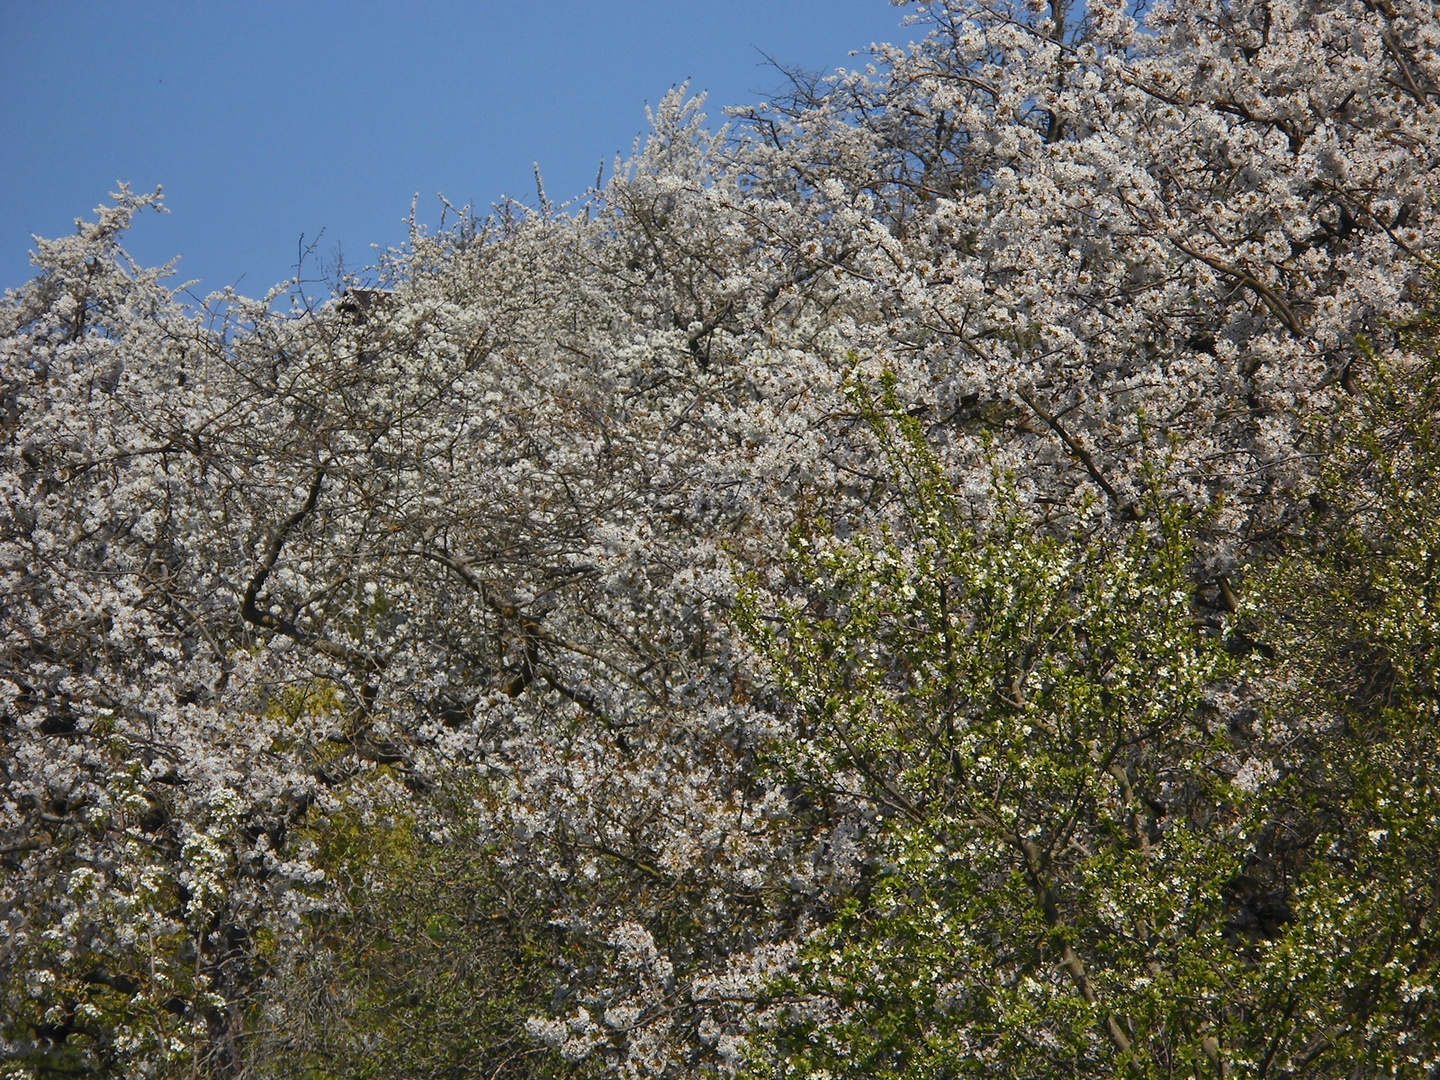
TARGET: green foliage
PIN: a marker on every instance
(1021, 718)
(433, 964)
(1353, 617)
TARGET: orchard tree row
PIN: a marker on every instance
(936, 579)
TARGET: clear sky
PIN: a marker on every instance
(265, 120)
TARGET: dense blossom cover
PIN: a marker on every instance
(933, 579)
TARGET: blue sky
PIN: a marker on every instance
(265, 121)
